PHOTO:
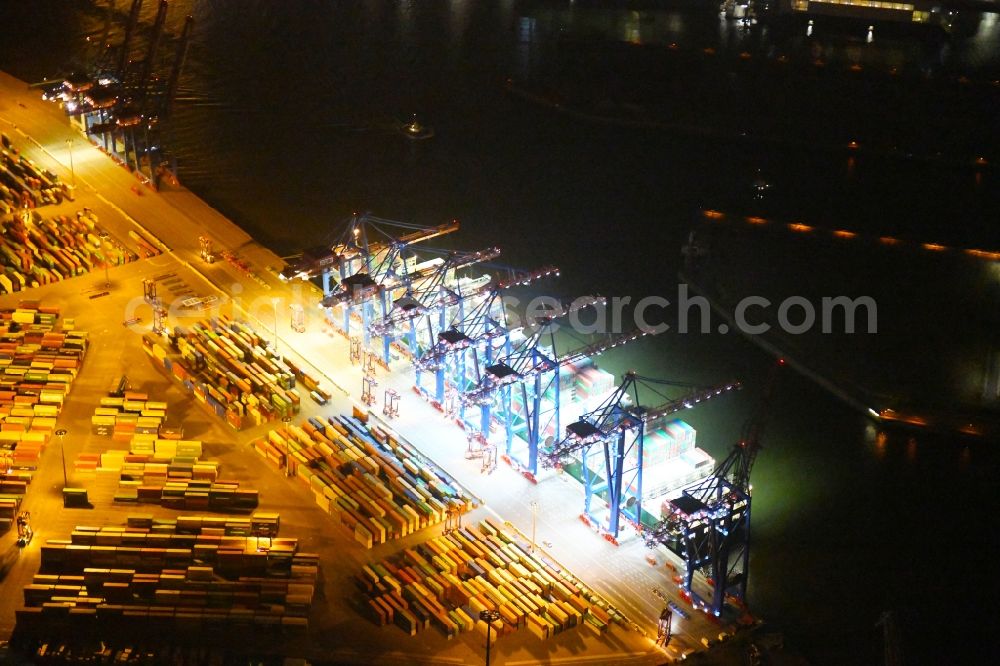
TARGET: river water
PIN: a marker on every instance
(286, 120)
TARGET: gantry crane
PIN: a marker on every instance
(319, 261)
(369, 258)
(619, 426)
(429, 291)
(151, 51)
(470, 338)
(136, 110)
(122, 102)
(521, 389)
(708, 525)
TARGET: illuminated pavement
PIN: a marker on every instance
(620, 574)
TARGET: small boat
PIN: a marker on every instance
(414, 130)
(760, 186)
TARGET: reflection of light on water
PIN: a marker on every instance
(993, 268)
(987, 28)
(969, 374)
(878, 439)
(527, 27)
(631, 28)
(911, 449)
(459, 16)
(965, 458)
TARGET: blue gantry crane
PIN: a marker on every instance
(521, 389)
(708, 525)
(372, 266)
(428, 295)
(364, 268)
(617, 428)
(469, 334)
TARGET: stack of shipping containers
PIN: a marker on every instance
(376, 486)
(23, 184)
(38, 362)
(448, 580)
(225, 364)
(170, 575)
(45, 251)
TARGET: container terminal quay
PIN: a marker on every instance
(565, 540)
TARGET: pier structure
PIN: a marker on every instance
(173, 220)
(499, 373)
(608, 446)
(508, 386)
(119, 102)
(492, 376)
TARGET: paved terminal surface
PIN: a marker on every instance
(621, 574)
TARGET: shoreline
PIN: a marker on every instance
(177, 226)
(182, 202)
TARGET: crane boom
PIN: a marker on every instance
(133, 19)
(154, 45)
(600, 347)
(421, 235)
(428, 290)
(523, 279)
(473, 325)
(601, 423)
(523, 364)
(453, 262)
(690, 400)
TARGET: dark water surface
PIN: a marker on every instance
(285, 122)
